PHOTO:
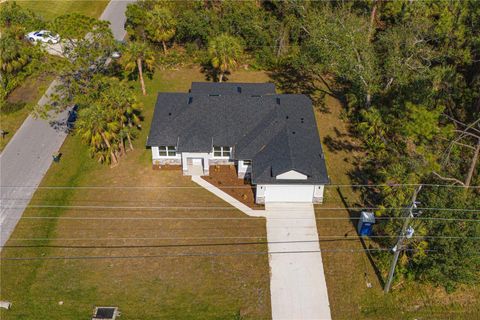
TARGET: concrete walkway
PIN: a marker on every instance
(228, 198)
(297, 282)
(27, 157)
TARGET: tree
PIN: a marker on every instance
(13, 58)
(18, 59)
(136, 56)
(99, 129)
(225, 52)
(109, 115)
(339, 44)
(160, 25)
(117, 96)
(88, 46)
(14, 16)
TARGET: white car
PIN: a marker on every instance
(43, 36)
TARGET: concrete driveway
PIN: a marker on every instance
(297, 284)
(298, 288)
(27, 157)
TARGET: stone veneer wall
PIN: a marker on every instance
(157, 163)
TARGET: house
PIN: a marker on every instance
(271, 138)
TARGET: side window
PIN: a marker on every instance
(222, 151)
(226, 152)
(163, 151)
(167, 151)
(172, 151)
(217, 151)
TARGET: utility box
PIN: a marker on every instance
(365, 223)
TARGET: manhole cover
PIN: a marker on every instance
(105, 313)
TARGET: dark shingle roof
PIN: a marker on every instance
(224, 88)
(277, 132)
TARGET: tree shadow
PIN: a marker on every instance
(212, 74)
(354, 216)
(11, 107)
(341, 142)
(292, 79)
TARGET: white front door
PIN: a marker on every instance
(197, 162)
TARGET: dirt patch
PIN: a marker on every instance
(30, 91)
(225, 177)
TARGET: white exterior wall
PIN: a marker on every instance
(181, 158)
(243, 169)
(155, 154)
(318, 194)
(157, 159)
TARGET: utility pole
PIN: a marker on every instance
(404, 234)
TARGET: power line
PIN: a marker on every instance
(393, 185)
(320, 237)
(190, 254)
(233, 218)
(97, 207)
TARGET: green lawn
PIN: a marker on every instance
(21, 102)
(51, 9)
(170, 287)
(187, 287)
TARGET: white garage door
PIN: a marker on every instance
(289, 193)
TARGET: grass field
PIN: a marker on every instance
(226, 287)
(51, 9)
(220, 287)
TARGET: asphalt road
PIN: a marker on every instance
(28, 155)
(115, 13)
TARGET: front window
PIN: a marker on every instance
(167, 151)
(222, 152)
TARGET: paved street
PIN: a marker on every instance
(115, 13)
(27, 157)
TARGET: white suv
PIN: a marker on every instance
(43, 36)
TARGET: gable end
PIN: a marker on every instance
(291, 175)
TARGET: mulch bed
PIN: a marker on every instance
(225, 176)
(167, 167)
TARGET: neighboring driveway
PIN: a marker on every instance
(297, 282)
(27, 157)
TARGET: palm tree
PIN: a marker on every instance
(120, 99)
(225, 52)
(13, 57)
(160, 25)
(136, 56)
(98, 127)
